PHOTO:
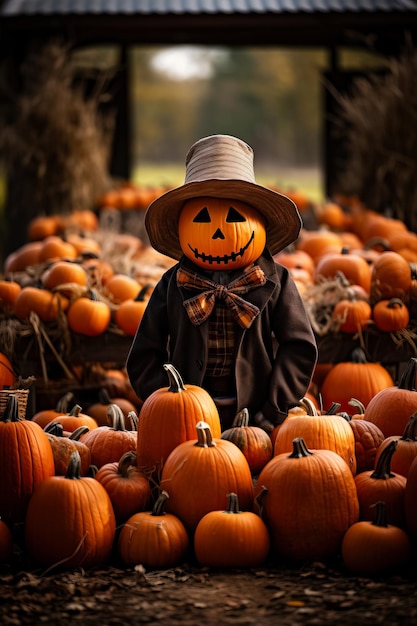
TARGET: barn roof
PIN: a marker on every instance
(328, 23)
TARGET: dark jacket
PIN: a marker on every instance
(275, 356)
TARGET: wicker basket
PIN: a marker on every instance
(22, 400)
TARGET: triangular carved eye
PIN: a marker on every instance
(234, 216)
(202, 216)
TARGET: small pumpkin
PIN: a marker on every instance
(352, 314)
(70, 521)
(129, 313)
(391, 315)
(63, 447)
(154, 539)
(375, 548)
(107, 444)
(382, 484)
(231, 538)
(89, 315)
(75, 418)
(253, 441)
(46, 304)
(391, 277)
(406, 450)
(129, 489)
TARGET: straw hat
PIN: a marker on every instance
(221, 166)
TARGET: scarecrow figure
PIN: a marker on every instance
(226, 315)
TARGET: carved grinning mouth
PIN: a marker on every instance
(209, 258)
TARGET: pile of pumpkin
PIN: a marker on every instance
(169, 485)
(355, 270)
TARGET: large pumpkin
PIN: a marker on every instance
(26, 459)
(70, 520)
(169, 417)
(200, 473)
(308, 501)
(220, 234)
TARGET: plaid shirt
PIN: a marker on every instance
(221, 341)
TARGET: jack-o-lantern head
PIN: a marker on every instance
(221, 234)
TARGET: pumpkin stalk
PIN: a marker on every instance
(233, 503)
(11, 412)
(299, 449)
(204, 436)
(309, 406)
(408, 378)
(381, 514)
(74, 466)
(241, 419)
(409, 433)
(176, 383)
(159, 506)
(383, 466)
(358, 405)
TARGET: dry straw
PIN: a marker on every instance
(379, 123)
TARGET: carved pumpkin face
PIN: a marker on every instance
(221, 234)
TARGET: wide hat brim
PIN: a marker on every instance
(282, 219)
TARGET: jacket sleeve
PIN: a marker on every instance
(296, 353)
(149, 349)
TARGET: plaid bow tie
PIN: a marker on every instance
(200, 306)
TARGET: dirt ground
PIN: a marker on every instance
(288, 595)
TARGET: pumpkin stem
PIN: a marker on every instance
(74, 466)
(408, 378)
(242, 419)
(383, 467)
(11, 412)
(334, 408)
(358, 356)
(103, 396)
(299, 449)
(78, 433)
(63, 403)
(175, 381)
(357, 404)
(54, 428)
(143, 292)
(204, 436)
(259, 500)
(126, 460)
(409, 433)
(159, 506)
(116, 416)
(233, 503)
(309, 406)
(133, 418)
(395, 302)
(75, 411)
(381, 514)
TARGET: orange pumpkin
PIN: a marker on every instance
(28, 254)
(130, 312)
(354, 268)
(376, 548)
(7, 373)
(108, 443)
(199, 474)
(308, 501)
(46, 304)
(63, 447)
(62, 272)
(391, 277)
(89, 316)
(382, 484)
(390, 408)
(129, 489)
(358, 378)
(391, 315)
(221, 234)
(352, 314)
(73, 507)
(9, 290)
(231, 538)
(253, 441)
(154, 539)
(169, 416)
(406, 450)
(121, 287)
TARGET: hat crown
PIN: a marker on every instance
(220, 157)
